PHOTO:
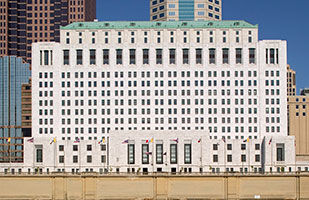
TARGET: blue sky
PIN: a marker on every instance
(277, 19)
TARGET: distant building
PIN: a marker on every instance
(298, 109)
(13, 74)
(185, 10)
(291, 81)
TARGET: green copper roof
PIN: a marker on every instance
(157, 25)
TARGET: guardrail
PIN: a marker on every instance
(153, 174)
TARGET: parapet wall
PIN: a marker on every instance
(78, 187)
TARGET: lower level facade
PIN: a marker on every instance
(158, 152)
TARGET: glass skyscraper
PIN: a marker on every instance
(13, 73)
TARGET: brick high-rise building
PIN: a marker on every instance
(25, 21)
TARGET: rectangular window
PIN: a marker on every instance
(119, 56)
(46, 57)
(61, 159)
(229, 158)
(159, 153)
(39, 153)
(103, 159)
(145, 56)
(173, 152)
(272, 56)
(266, 56)
(145, 153)
(252, 56)
(238, 56)
(225, 56)
(79, 57)
(105, 56)
(212, 56)
(280, 152)
(187, 154)
(243, 158)
(172, 56)
(215, 158)
(66, 57)
(131, 154)
(198, 53)
(89, 159)
(92, 56)
(185, 56)
(158, 56)
(75, 159)
(132, 56)
(41, 57)
(61, 147)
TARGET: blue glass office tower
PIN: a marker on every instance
(13, 73)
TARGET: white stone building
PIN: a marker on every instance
(213, 79)
(208, 76)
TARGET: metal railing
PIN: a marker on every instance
(235, 173)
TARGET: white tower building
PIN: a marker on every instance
(125, 82)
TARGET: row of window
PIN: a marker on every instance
(158, 56)
(157, 74)
(160, 83)
(121, 102)
(272, 129)
(161, 120)
(160, 154)
(108, 93)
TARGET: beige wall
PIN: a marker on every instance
(154, 187)
(299, 123)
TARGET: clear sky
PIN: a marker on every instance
(277, 19)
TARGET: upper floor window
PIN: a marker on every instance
(212, 56)
(79, 56)
(252, 56)
(66, 57)
(92, 56)
(158, 56)
(119, 56)
(238, 56)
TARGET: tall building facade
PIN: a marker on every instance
(185, 10)
(177, 76)
(27, 21)
(298, 109)
(291, 81)
(132, 96)
(13, 73)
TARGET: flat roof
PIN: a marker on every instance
(158, 25)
